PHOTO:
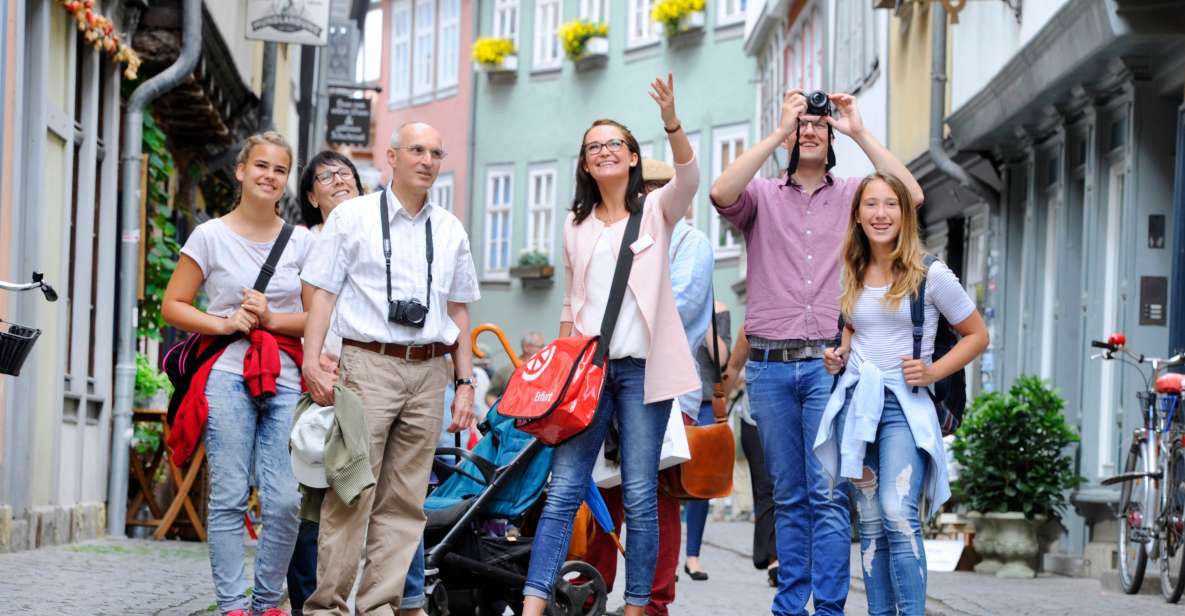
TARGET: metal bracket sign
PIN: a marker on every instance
(348, 120)
(300, 22)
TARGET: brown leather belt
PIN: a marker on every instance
(786, 355)
(413, 352)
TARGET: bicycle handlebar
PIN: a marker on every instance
(1099, 344)
(38, 283)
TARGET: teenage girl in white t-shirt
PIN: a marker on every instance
(222, 257)
(880, 428)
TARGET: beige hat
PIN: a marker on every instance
(656, 171)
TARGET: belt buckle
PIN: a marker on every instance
(407, 350)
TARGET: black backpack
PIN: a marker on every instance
(949, 394)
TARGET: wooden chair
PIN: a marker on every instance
(144, 470)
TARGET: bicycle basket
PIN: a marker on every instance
(15, 344)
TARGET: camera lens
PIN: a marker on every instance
(818, 104)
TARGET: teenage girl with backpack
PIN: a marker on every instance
(880, 428)
(223, 257)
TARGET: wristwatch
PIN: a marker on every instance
(465, 381)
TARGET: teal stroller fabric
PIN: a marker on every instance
(500, 445)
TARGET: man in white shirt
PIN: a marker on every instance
(401, 306)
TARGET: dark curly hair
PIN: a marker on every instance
(309, 213)
(588, 194)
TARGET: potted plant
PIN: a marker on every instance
(585, 43)
(534, 269)
(679, 16)
(1014, 472)
(152, 386)
(495, 55)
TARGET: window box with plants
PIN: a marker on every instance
(534, 269)
(495, 56)
(1014, 473)
(585, 43)
(680, 19)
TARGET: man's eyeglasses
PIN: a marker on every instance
(820, 126)
(418, 151)
(593, 148)
(325, 178)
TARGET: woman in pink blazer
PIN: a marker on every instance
(649, 360)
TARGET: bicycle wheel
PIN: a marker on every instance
(1172, 552)
(1133, 551)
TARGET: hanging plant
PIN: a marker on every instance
(574, 36)
(671, 13)
(101, 34)
(491, 51)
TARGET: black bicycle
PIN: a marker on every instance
(17, 340)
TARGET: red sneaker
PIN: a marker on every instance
(274, 611)
(238, 613)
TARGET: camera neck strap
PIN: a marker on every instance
(383, 210)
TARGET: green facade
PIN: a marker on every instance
(533, 121)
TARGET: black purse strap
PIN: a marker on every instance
(717, 375)
(917, 311)
(621, 276)
(387, 248)
(269, 265)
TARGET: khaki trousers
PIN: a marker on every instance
(404, 402)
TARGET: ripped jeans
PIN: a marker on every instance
(892, 554)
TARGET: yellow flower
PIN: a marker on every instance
(575, 34)
(491, 50)
(669, 12)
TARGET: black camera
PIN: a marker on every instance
(410, 313)
(818, 104)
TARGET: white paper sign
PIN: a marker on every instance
(301, 22)
(675, 450)
(943, 554)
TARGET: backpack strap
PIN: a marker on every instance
(621, 276)
(917, 311)
(273, 257)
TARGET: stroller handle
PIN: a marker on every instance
(497, 331)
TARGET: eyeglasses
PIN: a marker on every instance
(325, 178)
(819, 126)
(593, 148)
(418, 151)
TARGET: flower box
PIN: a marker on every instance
(596, 53)
(509, 64)
(534, 276)
(687, 31)
(691, 21)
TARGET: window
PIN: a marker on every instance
(499, 203)
(595, 10)
(368, 68)
(442, 191)
(804, 53)
(425, 38)
(448, 58)
(770, 93)
(647, 149)
(547, 42)
(540, 207)
(506, 20)
(855, 46)
(642, 29)
(400, 51)
(694, 139)
(733, 11)
(728, 143)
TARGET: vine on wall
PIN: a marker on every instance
(162, 250)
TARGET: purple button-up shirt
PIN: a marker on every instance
(794, 240)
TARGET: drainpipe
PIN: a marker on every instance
(938, 154)
(267, 101)
(129, 250)
(472, 153)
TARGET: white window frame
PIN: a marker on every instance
(729, 12)
(541, 207)
(646, 148)
(721, 136)
(596, 11)
(854, 55)
(400, 75)
(805, 64)
(497, 267)
(642, 30)
(546, 44)
(366, 61)
(442, 191)
(506, 15)
(693, 137)
(423, 48)
(448, 57)
(1109, 381)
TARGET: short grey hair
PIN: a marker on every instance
(399, 129)
(534, 337)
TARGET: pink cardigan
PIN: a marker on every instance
(670, 371)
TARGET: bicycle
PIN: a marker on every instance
(1152, 500)
(17, 340)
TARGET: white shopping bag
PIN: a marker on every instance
(675, 450)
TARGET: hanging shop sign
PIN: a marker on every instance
(300, 22)
(348, 120)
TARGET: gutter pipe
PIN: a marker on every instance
(938, 154)
(129, 250)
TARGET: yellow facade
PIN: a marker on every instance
(909, 81)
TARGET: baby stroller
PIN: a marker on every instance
(480, 524)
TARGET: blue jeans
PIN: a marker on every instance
(892, 554)
(241, 432)
(642, 427)
(812, 521)
(302, 572)
(697, 510)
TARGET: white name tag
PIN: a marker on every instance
(642, 243)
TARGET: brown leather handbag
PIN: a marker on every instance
(708, 474)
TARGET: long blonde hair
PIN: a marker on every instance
(907, 271)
